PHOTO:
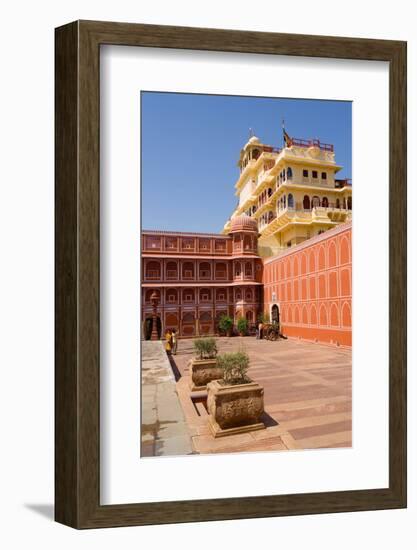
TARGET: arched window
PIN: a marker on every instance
(172, 272)
(269, 192)
(306, 202)
(205, 316)
(188, 270)
(205, 294)
(171, 295)
(188, 295)
(325, 202)
(153, 270)
(204, 270)
(248, 269)
(285, 201)
(289, 173)
(238, 269)
(290, 201)
(188, 317)
(315, 202)
(349, 203)
(337, 203)
(275, 314)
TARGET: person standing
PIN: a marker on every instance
(261, 329)
(168, 341)
(174, 341)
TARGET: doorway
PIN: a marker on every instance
(148, 327)
(275, 314)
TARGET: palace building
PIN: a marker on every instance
(285, 251)
(292, 193)
(199, 277)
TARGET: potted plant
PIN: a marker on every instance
(203, 367)
(242, 326)
(226, 325)
(235, 403)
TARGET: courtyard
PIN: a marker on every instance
(307, 396)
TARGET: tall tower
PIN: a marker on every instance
(246, 266)
(292, 193)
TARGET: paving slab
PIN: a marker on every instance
(163, 427)
(308, 396)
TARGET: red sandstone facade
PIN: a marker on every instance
(310, 288)
(199, 277)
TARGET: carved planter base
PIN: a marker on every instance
(234, 409)
(203, 371)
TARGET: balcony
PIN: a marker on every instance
(341, 183)
(152, 275)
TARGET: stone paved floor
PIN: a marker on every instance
(308, 401)
(163, 430)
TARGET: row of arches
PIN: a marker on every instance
(153, 270)
(244, 242)
(189, 295)
(192, 323)
(332, 254)
(315, 201)
(243, 268)
(309, 203)
(325, 285)
(324, 315)
(285, 175)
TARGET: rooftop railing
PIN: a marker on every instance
(343, 183)
(312, 143)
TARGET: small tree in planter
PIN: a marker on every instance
(242, 326)
(203, 367)
(205, 348)
(226, 325)
(235, 403)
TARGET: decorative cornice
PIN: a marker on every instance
(182, 234)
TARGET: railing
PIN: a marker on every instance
(312, 143)
(152, 274)
(343, 183)
(270, 149)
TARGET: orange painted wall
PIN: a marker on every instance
(312, 286)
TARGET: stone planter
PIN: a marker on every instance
(234, 409)
(203, 371)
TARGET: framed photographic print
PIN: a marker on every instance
(230, 274)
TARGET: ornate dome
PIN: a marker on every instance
(254, 139)
(243, 223)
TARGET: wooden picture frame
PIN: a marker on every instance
(77, 404)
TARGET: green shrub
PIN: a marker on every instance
(242, 325)
(235, 366)
(205, 348)
(225, 324)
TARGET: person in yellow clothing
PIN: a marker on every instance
(174, 342)
(168, 341)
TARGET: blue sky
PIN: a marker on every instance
(191, 144)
